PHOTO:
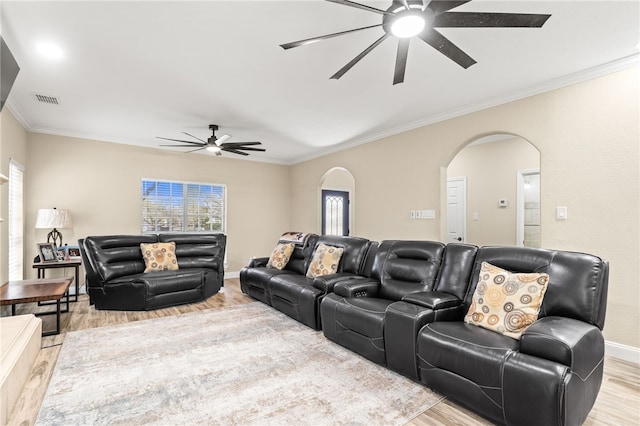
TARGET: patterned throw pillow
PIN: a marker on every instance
(280, 255)
(159, 256)
(325, 261)
(506, 302)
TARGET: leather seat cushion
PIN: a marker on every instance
(467, 350)
(363, 315)
(259, 277)
(289, 286)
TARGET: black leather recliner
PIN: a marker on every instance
(552, 375)
(354, 315)
(116, 279)
(297, 296)
(254, 278)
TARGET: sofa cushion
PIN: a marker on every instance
(325, 261)
(280, 255)
(159, 256)
(506, 302)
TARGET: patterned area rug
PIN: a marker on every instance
(240, 365)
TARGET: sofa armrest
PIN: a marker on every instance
(570, 342)
(326, 283)
(433, 299)
(357, 287)
(255, 262)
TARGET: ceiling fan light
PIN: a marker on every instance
(407, 25)
(213, 149)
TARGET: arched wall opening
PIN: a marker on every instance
(491, 192)
(337, 179)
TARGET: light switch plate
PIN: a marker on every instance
(561, 213)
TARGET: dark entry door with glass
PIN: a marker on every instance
(335, 212)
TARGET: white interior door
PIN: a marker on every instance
(528, 231)
(456, 209)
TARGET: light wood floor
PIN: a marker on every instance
(618, 402)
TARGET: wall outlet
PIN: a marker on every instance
(502, 202)
(418, 214)
(413, 214)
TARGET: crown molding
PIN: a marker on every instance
(548, 86)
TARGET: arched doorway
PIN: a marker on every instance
(336, 207)
(493, 192)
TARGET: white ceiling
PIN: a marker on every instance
(132, 71)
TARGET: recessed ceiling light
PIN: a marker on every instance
(49, 50)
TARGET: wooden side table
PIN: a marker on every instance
(28, 291)
(75, 263)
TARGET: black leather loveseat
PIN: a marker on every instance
(115, 270)
(407, 309)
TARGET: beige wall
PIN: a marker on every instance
(13, 145)
(587, 135)
(99, 183)
(491, 170)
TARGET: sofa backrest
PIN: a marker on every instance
(369, 260)
(117, 256)
(301, 256)
(578, 282)
(455, 272)
(405, 267)
(354, 254)
(198, 250)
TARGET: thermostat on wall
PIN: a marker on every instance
(502, 202)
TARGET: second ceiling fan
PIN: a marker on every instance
(406, 19)
(215, 144)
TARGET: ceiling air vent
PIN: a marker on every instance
(46, 99)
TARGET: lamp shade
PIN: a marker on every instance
(53, 218)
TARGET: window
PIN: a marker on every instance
(182, 207)
(16, 220)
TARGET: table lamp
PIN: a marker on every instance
(54, 218)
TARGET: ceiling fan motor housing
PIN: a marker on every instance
(398, 10)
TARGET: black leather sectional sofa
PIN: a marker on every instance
(402, 304)
(116, 279)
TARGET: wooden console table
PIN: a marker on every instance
(28, 291)
(75, 263)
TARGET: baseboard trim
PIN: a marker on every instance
(623, 352)
(235, 274)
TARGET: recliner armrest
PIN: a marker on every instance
(357, 287)
(433, 299)
(255, 262)
(573, 343)
(327, 282)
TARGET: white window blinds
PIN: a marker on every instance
(182, 207)
(16, 220)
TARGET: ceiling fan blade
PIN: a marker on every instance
(492, 20)
(357, 59)
(447, 48)
(222, 138)
(401, 60)
(195, 137)
(425, 3)
(235, 151)
(180, 146)
(237, 144)
(251, 149)
(324, 37)
(441, 6)
(178, 140)
(194, 150)
(359, 6)
(405, 4)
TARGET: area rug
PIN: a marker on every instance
(240, 365)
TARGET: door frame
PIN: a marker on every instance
(520, 174)
(462, 179)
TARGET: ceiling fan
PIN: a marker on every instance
(215, 144)
(406, 19)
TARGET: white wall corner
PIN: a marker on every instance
(623, 352)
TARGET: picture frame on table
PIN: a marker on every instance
(48, 252)
(74, 251)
